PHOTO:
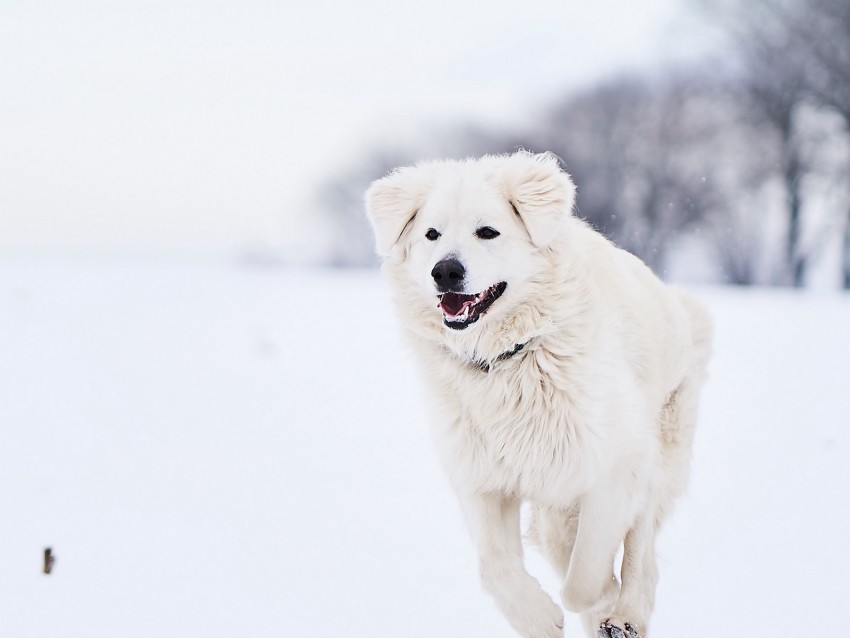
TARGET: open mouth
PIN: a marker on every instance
(460, 311)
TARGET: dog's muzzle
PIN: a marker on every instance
(461, 310)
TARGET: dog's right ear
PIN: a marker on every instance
(391, 205)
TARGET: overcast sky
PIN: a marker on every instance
(190, 125)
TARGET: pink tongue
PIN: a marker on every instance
(453, 303)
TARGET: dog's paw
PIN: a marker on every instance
(529, 609)
(610, 630)
(536, 616)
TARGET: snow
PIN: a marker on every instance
(213, 450)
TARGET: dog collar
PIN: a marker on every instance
(485, 366)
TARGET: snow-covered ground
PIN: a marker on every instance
(216, 451)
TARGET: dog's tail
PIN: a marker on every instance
(702, 334)
(679, 415)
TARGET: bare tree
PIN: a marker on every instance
(633, 146)
(737, 155)
(777, 92)
(792, 54)
(738, 161)
(820, 31)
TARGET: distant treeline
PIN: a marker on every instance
(748, 155)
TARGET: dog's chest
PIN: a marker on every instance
(515, 429)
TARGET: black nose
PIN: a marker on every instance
(448, 275)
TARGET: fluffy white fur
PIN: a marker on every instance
(591, 422)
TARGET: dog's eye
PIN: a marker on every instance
(485, 232)
(432, 234)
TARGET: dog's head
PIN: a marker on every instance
(470, 234)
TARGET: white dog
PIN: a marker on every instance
(564, 374)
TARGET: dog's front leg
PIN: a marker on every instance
(493, 521)
(606, 513)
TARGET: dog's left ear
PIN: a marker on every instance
(391, 204)
(541, 193)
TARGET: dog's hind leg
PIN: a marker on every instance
(553, 531)
(677, 422)
(494, 522)
(639, 578)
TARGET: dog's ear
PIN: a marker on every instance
(391, 204)
(541, 193)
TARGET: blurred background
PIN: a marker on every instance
(207, 412)
(710, 138)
